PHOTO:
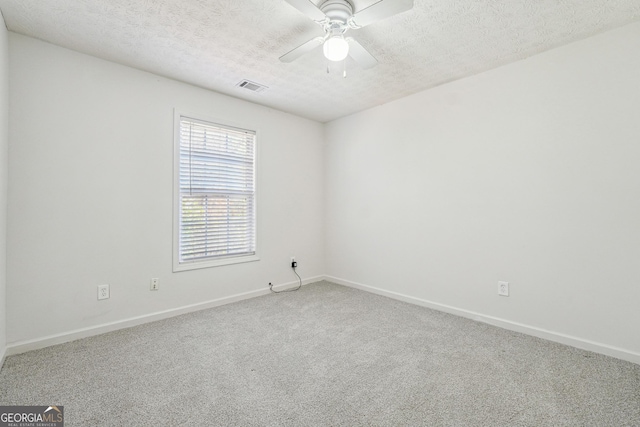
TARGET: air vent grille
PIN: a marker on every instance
(252, 86)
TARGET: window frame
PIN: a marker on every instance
(208, 263)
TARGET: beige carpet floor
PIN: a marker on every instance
(326, 355)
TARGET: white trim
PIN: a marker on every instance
(177, 266)
(38, 343)
(186, 266)
(558, 337)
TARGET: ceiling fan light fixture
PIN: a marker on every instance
(336, 48)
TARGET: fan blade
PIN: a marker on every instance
(360, 54)
(308, 8)
(381, 10)
(302, 49)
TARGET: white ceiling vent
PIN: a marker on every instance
(252, 86)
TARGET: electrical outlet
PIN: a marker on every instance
(294, 263)
(154, 284)
(103, 292)
(503, 289)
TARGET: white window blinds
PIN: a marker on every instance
(217, 191)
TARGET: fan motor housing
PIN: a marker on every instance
(337, 10)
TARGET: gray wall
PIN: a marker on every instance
(91, 200)
(528, 173)
(4, 178)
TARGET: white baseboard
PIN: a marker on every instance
(583, 344)
(34, 344)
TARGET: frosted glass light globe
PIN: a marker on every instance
(336, 48)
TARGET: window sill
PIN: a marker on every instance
(196, 265)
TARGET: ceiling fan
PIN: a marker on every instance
(336, 17)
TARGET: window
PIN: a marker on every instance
(215, 194)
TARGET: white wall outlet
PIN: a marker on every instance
(503, 289)
(293, 258)
(154, 284)
(103, 292)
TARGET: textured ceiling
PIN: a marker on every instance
(217, 43)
